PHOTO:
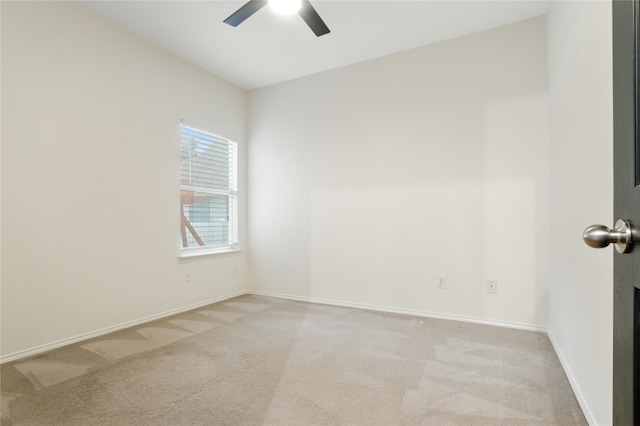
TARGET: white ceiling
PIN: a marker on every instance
(269, 48)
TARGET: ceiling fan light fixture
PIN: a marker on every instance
(285, 7)
(307, 12)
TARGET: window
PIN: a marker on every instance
(208, 192)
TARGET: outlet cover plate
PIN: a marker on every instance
(442, 282)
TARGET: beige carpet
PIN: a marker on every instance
(255, 360)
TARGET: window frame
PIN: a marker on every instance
(232, 194)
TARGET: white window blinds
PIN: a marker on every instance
(208, 190)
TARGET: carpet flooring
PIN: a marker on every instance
(255, 360)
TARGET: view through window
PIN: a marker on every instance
(208, 191)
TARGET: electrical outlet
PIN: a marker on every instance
(187, 277)
(235, 269)
(442, 282)
(492, 286)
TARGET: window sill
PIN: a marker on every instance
(207, 254)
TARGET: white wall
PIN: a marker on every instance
(90, 213)
(367, 182)
(581, 194)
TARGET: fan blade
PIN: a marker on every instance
(248, 9)
(313, 20)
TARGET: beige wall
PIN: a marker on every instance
(366, 182)
(369, 181)
(90, 216)
(581, 194)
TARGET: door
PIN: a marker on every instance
(626, 131)
(626, 208)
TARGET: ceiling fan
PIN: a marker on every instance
(285, 7)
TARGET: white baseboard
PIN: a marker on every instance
(64, 342)
(572, 381)
(424, 314)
